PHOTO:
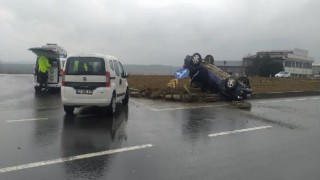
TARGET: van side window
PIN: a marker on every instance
(111, 65)
(121, 69)
(116, 67)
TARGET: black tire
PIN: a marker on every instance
(244, 80)
(112, 106)
(125, 101)
(231, 83)
(209, 59)
(196, 59)
(68, 109)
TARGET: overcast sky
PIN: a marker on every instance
(159, 31)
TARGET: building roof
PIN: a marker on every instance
(295, 54)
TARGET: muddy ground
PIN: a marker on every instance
(153, 83)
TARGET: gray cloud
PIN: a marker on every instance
(159, 31)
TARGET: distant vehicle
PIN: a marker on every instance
(317, 76)
(93, 80)
(56, 55)
(208, 76)
(283, 74)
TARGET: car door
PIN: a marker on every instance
(123, 77)
(118, 79)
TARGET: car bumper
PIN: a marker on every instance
(86, 102)
(99, 97)
(49, 85)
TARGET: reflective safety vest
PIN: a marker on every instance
(76, 66)
(43, 64)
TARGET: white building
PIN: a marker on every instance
(296, 61)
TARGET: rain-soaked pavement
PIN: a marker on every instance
(275, 139)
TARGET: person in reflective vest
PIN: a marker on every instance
(44, 66)
(76, 66)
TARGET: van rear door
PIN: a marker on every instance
(48, 52)
(84, 75)
(53, 56)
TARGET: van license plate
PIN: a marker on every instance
(84, 91)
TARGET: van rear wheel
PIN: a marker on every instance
(68, 109)
(112, 107)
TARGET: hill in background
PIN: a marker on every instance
(24, 68)
(150, 69)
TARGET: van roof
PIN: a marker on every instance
(93, 55)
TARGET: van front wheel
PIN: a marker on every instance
(126, 98)
(68, 109)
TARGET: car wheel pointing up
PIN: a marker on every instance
(196, 59)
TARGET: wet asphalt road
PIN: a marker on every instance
(156, 139)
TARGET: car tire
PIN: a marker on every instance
(231, 83)
(196, 59)
(125, 101)
(112, 106)
(209, 59)
(68, 109)
(244, 80)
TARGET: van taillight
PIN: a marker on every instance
(62, 78)
(61, 72)
(108, 79)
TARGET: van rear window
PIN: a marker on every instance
(85, 66)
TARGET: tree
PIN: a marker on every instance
(275, 67)
(264, 66)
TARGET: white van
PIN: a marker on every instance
(93, 80)
(56, 56)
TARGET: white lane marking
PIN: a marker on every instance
(71, 158)
(23, 120)
(143, 105)
(287, 100)
(192, 107)
(238, 131)
(178, 108)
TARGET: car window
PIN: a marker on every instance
(116, 67)
(111, 65)
(121, 68)
(85, 65)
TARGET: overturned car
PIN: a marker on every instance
(207, 76)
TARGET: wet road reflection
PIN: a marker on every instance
(179, 135)
(92, 131)
(198, 123)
